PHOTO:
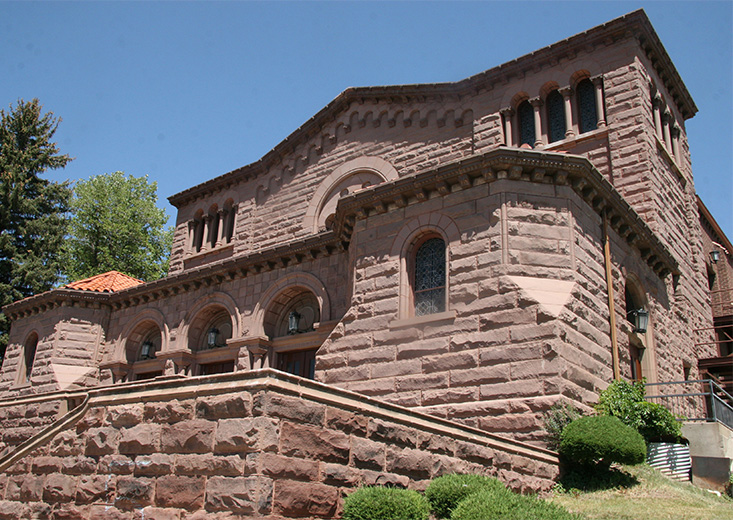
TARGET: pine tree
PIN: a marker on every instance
(33, 211)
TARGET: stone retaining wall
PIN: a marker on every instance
(245, 445)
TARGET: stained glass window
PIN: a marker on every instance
(555, 116)
(526, 124)
(587, 106)
(429, 289)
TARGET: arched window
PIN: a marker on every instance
(525, 113)
(27, 359)
(429, 277)
(587, 106)
(555, 116)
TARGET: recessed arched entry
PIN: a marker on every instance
(294, 317)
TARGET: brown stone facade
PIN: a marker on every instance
(556, 194)
(258, 444)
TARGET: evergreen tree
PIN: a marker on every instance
(116, 225)
(33, 211)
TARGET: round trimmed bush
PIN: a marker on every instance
(654, 422)
(385, 503)
(488, 505)
(601, 440)
(444, 493)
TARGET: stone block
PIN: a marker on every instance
(346, 421)
(11, 510)
(116, 464)
(168, 412)
(159, 513)
(301, 499)
(67, 512)
(217, 465)
(314, 443)
(248, 495)
(340, 475)
(278, 467)
(108, 512)
(95, 488)
(274, 405)
(140, 439)
(223, 406)
(367, 454)
(66, 443)
(124, 416)
(246, 435)
(392, 434)
(182, 492)
(416, 464)
(101, 441)
(155, 464)
(134, 492)
(194, 436)
(46, 465)
(59, 488)
(383, 478)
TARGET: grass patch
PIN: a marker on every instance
(652, 497)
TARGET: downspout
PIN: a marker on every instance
(611, 304)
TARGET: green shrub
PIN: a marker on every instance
(601, 440)
(444, 493)
(489, 505)
(653, 421)
(385, 503)
(556, 419)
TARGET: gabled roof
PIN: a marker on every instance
(111, 281)
(632, 25)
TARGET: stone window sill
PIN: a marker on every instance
(571, 142)
(200, 254)
(422, 320)
(670, 160)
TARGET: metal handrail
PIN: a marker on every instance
(717, 404)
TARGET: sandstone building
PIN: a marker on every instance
(446, 261)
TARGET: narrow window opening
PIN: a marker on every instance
(429, 277)
(587, 106)
(555, 116)
(526, 124)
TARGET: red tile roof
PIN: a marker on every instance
(111, 281)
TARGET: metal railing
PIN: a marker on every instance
(700, 400)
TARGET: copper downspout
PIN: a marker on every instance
(611, 304)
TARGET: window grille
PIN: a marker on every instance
(555, 116)
(429, 289)
(526, 124)
(587, 106)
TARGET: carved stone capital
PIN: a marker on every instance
(507, 112)
(535, 101)
(566, 91)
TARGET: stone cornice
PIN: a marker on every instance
(632, 25)
(515, 164)
(283, 255)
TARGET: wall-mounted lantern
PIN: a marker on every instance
(640, 319)
(146, 352)
(293, 320)
(211, 337)
(715, 256)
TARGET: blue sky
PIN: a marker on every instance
(186, 91)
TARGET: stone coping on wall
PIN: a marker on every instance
(170, 388)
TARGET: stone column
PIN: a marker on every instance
(232, 222)
(657, 103)
(536, 104)
(676, 131)
(600, 113)
(191, 237)
(507, 114)
(566, 93)
(205, 243)
(221, 215)
(198, 235)
(666, 125)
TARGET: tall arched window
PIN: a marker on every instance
(555, 116)
(587, 106)
(27, 358)
(429, 277)
(525, 112)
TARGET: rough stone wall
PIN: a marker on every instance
(265, 449)
(68, 342)
(22, 421)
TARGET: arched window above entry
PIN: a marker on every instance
(525, 112)
(429, 275)
(586, 96)
(555, 116)
(294, 311)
